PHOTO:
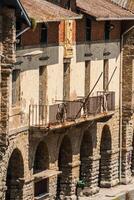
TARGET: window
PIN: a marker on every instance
(43, 38)
(87, 77)
(105, 74)
(41, 188)
(88, 29)
(42, 84)
(15, 87)
(68, 4)
(66, 82)
(107, 30)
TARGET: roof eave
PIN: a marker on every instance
(114, 18)
(18, 6)
(105, 18)
(60, 19)
(24, 13)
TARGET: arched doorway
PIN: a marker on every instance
(41, 163)
(64, 162)
(86, 152)
(15, 175)
(105, 160)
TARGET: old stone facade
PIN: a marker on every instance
(60, 107)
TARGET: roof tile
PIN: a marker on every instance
(104, 9)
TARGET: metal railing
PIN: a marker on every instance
(42, 115)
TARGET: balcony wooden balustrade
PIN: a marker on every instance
(45, 116)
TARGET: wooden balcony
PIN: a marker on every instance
(63, 114)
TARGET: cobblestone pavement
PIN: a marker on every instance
(119, 192)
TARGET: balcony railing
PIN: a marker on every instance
(42, 115)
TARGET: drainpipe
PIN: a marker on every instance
(120, 103)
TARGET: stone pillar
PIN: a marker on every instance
(53, 186)
(127, 152)
(90, 175)
(127, 105)
(109, 169)
(8, 57)
(7, 40)
(126, 165)
(115, 168)
(66, 183)
(28, 190)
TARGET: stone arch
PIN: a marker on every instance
(105, 160)
(41, 158)
(86, 153)
(15, 176)
(64, 163)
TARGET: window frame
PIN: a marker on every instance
(88, 33)
(107, 30)
(105, 74)
(16, 88)
(45, 30)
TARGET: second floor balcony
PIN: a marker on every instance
(67, 113)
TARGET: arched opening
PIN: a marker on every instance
(86, 152)
(105, 160)
(64, 162)
(15, 177)
(132, 158)
(41, 161)
(41, 164)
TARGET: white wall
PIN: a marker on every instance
(30, 75)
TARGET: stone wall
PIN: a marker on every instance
(8, 57)
(127, 105)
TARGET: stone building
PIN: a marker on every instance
(66, 98)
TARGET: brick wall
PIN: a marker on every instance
(56, 34)
(31, 37)
(115, 33)
(97, 30)
(80, 31)
(53, 32)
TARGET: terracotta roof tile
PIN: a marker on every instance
(104, 9)
(43, 11)
(127, 4)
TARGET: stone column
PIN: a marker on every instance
(127, 152)
(7, 59)
(126, 165)
(53, 186)
(91, 173)
(127, 104)
(66, 184)
(109, 169)
(28, 190)
(7, 40)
